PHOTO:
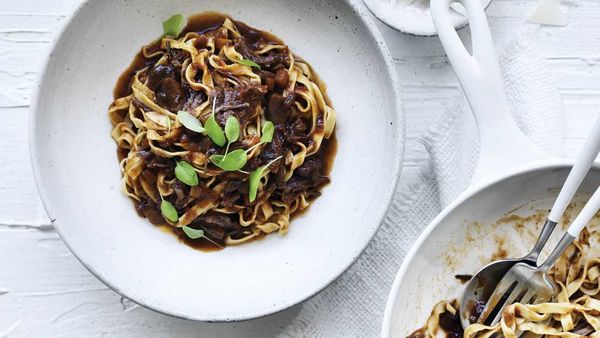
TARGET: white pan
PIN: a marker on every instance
(78, 175)
(512, 176)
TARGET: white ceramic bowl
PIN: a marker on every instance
(467, 235)
(78, 175)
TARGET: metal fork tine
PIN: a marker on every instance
(499, 292)
(534, 299)
(514, 297)
(529, 297)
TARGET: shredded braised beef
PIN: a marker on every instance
(269, 60)
(216, 225)
(240, 101)
(164, 80)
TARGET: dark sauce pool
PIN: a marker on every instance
(202, 23)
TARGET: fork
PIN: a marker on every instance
(530, 284)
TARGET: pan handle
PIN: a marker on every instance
(502, 144)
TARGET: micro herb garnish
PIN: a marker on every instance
(236, 160)
(230, 161)
(193, 233)
(248, 63)
(174, 25)
(213, 129)
(254, 179)
(168, 210)
(233, 161)
(267, 132)
(186, 173)
(190, 121)
(197, 233)
(232, 131)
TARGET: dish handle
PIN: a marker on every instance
(502, 144)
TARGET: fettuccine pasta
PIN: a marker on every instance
(574, 312)
(250, 120)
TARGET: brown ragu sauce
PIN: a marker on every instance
(202, 23)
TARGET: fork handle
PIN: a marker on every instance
(562, 245)
(585, 216)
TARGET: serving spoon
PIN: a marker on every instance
(481, 286)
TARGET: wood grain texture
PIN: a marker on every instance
(46, 292)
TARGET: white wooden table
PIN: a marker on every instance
(46, 292)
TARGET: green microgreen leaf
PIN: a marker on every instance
(248, 63)
(233, 161)
(198, 233)
(254, 179)
(190, 121)
(232, 129)
(169, 211)
(214, 131)
(193, 233)
(174, 25)
(268, 130)
(186, 173)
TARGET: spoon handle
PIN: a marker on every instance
(583, 163)
(585, 216)
(541, 242)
